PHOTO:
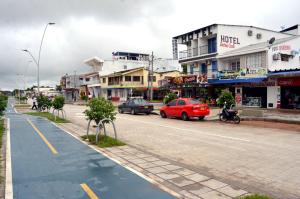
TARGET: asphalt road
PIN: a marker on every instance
(49, 163)
(257, 158)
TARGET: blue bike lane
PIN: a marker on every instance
(49, 163)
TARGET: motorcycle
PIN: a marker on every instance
(229, 114)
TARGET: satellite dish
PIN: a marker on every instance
(271, 41)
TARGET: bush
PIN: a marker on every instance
(43, 102)
(58, 102)
(169, 97)
(100, 108)
(84, 97)
(226, 96)
(3, 102)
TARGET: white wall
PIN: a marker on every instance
(241, 33)
(285, 48)
(273, 95)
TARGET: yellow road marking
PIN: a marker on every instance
(43, 137)
(88, 190)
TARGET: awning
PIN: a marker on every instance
(284, 73)
(235, 81)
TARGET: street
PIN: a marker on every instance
(259, 159)
(49, 163)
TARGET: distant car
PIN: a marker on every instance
(185, 108)
(135, 106)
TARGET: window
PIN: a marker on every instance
(254, 61)
(172, 103)
(181, 102)
(104, 80)
(125, 67)
(284, 57)
(212, 45)
(234, 65)
(193, 101)
(87, 79)
(127, 78)
(140, 101)
(136, 78)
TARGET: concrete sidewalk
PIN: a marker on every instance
(182, 180)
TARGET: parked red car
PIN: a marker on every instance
(185, 108)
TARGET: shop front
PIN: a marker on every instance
(290, 92)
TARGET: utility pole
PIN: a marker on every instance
(75, 85)
(151, 78)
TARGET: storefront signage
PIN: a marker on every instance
(249, 72)
(292, 81)
(281, 48)
(228, 41)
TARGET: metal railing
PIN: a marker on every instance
(194, 52)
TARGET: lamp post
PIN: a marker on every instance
(37, 62)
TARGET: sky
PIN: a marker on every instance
(89, 28)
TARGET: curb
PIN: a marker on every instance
(270, 120)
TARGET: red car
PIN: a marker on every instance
(185, 108)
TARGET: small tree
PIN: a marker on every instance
(43, 102)
(169, 97)
(100, 108)
(226, 96)
(58, 102)
(3, 102)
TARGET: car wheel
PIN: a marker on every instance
(185, 116)
(201, 117)
(120, 111)
(236, 119)
(133, 112)
(163, 114)
(147, 113)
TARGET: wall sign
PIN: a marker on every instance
(292, 81)
(229, 42)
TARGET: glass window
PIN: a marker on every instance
(193, 101)
(234, 65)
(127, 78)
(181, 102)
(140, 101)
(104, 80)
(254, 61)
(172, 103)
(136, 78)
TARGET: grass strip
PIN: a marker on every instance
(104, 141)
(49, 116)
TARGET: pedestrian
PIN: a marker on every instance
(34, 103)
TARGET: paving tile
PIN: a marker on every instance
(183, 171)
(214, 184)
(160, 163)
(181, 181)
(186, 194)
(213, 195)
(156, 170)
(129, 157)
(197, 177)
(171, 167)
(142, 155)
(197, 189)
(154, 177)
(167, 175)
(132, 166)
(232, 192)
(151, 159)
(137, 161)
(147, 165)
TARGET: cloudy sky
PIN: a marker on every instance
(98, 27)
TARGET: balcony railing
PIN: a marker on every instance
(194, 52)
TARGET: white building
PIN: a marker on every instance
(240, 58)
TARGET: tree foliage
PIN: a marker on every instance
(100, 108)
(58, 102)
(3, 102)
(169, 97)
(226, 96)
(43, 102)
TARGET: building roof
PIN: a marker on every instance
(252, 48)
(290, 28)
(93, 61)
(123, 72)
(215, 24)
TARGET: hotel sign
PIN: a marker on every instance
(229, 42)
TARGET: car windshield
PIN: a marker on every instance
(140, 101)
(193, 101)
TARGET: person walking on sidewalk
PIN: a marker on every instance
(34, 103)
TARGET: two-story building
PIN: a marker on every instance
(70, 85)
(233, 57)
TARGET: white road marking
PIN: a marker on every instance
(8, 177)
(184, 129)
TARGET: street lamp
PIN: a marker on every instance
(37, 62)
